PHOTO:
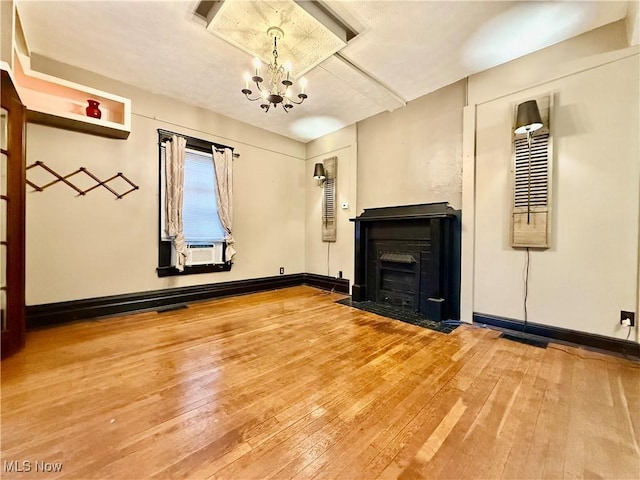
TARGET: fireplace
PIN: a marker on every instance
(409, 257)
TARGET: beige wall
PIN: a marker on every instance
(632, 22)
(413, 154)
(7, 25)
(82, 247)
(328, 258)
(590, 272)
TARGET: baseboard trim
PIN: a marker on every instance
(338, 285)
(62, 312)
(601, 342)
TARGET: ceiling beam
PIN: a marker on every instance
(372, 88)
(329, 19)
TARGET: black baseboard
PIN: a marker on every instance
(63, 312)
(338, 285)
(601, 342)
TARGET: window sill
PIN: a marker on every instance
(173, 271)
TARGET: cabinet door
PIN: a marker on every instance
(12, 218)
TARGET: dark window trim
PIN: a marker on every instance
(164, 247)
(173, 271)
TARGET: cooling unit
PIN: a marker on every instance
(201, 254)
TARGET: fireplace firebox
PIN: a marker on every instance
(409, 257)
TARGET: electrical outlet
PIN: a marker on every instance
(281, 270)
(631, 316)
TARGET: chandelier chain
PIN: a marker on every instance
(275, 50)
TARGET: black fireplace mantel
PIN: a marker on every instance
(406, 212)
(428, 232)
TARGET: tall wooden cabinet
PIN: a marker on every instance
(12, 217)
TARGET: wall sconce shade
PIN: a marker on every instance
(318, 172)
(528, 117)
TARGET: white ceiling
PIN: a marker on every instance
(403, 50)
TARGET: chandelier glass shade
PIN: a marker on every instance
(277, 87)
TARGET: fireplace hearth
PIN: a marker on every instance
(409, 257)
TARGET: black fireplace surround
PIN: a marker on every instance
(409, 257)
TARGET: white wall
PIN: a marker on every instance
(413, 154)
(91, 246)
(590, 272)
(328, 258)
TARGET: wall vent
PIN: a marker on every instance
(531, 201)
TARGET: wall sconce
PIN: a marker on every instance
(318, 173)
(528, 118)
(531, 174)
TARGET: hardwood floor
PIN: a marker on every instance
(288, 384)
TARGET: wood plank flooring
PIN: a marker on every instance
(290, 385)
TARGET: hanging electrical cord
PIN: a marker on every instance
(335, 283)
(328, 272)
(527, 261)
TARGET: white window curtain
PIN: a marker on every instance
(223, 163)
(174, 171)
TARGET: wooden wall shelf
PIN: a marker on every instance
(59, 103)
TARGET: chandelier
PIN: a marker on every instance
(277, 88)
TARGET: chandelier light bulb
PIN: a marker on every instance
(257, 64)
(303, 84)
(247, 77)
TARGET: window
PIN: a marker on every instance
(203, 231)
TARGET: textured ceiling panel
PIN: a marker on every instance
(306, 41)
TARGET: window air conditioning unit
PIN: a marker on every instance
(201, 254)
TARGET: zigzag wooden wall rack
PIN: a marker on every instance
(65, 180)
